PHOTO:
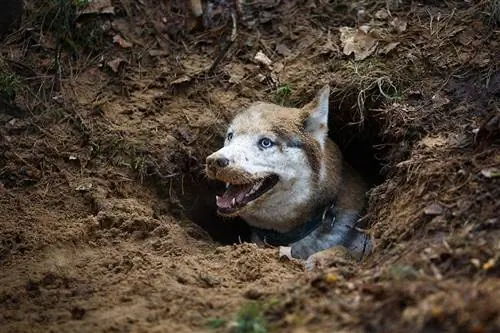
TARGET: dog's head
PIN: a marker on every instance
(272, 159)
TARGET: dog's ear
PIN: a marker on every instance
(316, 122)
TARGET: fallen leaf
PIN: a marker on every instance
(122, 42)
(398, 24)
(181, 79)
(115, 64)
(158, 53)
(433, 209)
(433, 142)
(491, 172)
(382, 14)
(278, 67)
(283, 50)
(490, 128)
(489, 264)
(358, 42)
(196, 8)
(84, 187)
(475, 262)
(98, 7)
(261, 58)
(389, 47)
(331, 278)
(439, 100)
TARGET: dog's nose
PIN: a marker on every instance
(217, 162)
(222, 162)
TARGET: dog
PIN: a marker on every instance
(288, 180)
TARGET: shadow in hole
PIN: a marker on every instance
(201, 209)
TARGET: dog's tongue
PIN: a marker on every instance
(234, 194)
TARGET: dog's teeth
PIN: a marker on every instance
(233, 202)
(227, 186)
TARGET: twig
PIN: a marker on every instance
(222, 53)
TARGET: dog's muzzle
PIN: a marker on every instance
(216, 162)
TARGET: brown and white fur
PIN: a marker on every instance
(286, 154)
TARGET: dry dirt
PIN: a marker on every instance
(108, 224)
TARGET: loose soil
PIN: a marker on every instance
(109, 225)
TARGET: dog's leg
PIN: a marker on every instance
(256, 240)
(326, 258)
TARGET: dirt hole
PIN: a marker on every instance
(357, 140)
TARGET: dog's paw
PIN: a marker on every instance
(327, 258)
(285, 252)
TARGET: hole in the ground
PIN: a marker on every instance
(356, 143)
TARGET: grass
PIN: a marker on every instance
(282, 95)
(250, 319)
(9, 83)
(75, 33)
(494, 12)
(215, 323)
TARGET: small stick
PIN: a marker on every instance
(234, 34)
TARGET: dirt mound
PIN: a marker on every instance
(107, 111)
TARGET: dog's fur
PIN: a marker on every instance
(312, 174)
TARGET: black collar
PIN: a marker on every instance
(275, 238)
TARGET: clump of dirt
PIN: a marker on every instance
(109, 223)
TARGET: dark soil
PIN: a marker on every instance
(108, 112)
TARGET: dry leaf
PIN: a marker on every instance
(358, 42)
(122, 42)
(182, 79)
(196, 8)
(115, 64)
(389, 47)
(84, 187)
(399, 24)
(489, 264)
(261, 58)
(98, 7)
(158, 53)
(433, 209)
(382, 14)
(491, 172)
(489, 129)
(283, 50)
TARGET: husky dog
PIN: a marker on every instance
(289, 182)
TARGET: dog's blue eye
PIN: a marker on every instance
(266, 143)
(229, 136)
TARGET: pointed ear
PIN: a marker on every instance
(316, 122)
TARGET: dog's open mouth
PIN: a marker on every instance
(237, 196)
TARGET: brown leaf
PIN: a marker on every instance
(122, 42)
(358, 42)
(489, 129)
(98, 7)
(283, 50)
(263, 59)
(491, 172)
(115, 64)
(399, 24)
(196, 7)
(433, 209)
(389, 47)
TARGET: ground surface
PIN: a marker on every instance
(107, 120)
